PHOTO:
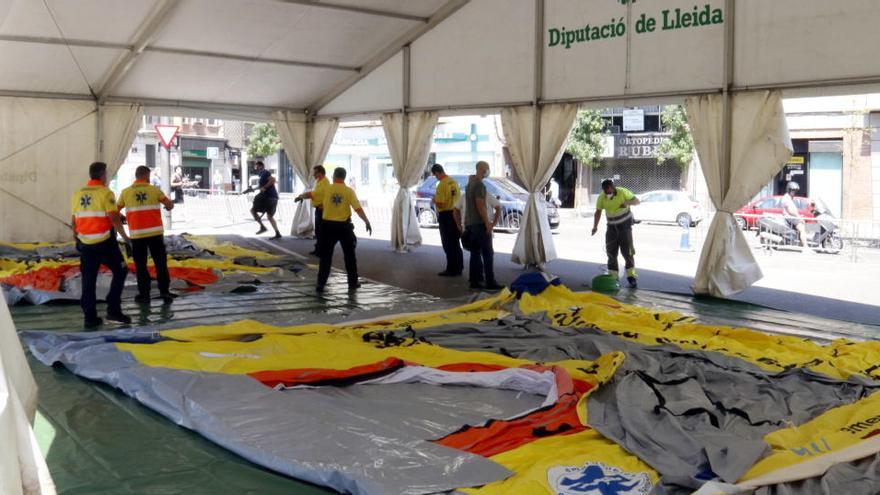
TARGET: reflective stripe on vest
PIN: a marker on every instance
(93, 226)
(144, 221)
(620, 218)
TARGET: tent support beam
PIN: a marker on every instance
(449, 8)
(359, 10)
(146, 33)
(42, 40)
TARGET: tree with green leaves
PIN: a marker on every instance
(679, 148)
(587, 138)
(263, 141)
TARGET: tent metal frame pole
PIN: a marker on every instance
(146, 33)
(383, 55)
(201, 105)
(359, 10)
(727, 110)
(99, 132)
(14, 93)
(48, 40)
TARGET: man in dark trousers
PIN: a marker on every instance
(95, 219)
(143, 210)
(478, 229)
(616, 202)
(445, 198)
(317, 197)
(266, 201)
(339, 201)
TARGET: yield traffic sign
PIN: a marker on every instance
(166, 133)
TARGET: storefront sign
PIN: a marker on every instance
(638, 145)
(634, 120)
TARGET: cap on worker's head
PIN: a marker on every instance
(142, 172)
(437, 169)
(607, 183)
(320, 169)
(339, 173)
(792, 186)
(97, 170)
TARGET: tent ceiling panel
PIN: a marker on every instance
(584, 68)
(480, 54)
(805, 40)
(186, 77)
(113, 21)
(278, 30)
(413, 7)
(50, 68)
(656, 61)
(382, 89)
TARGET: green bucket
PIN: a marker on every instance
(605, 283)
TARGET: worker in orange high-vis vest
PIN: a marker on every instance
(95, 223)
(143, 210)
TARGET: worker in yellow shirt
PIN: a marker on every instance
(317, 197)
(618, 236)
(338, 202)
(143, 210)
(95, 219)
(445, 198)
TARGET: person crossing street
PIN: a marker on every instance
(143, 210)
(339, 201)
(616, 202)
(95, 220)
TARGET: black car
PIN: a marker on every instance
(511, 196)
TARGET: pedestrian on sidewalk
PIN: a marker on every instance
(616, 202)
(478, 230)
(95, 220)
(143, 209)
(317, 196)
(266, 201)
(339, 201)
(445, 198)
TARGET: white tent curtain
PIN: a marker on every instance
(121, 123)
(534, 242)
(306, 144)
(45, 151)
(759, 147)
(409, 142)
(22, 467)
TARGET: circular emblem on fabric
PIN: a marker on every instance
(596, 478)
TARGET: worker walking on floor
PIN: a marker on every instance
(95, 219)
(317, 196)
(143, 210)
(616, 202)
(266, 201)
(338, 202)
(445, 198)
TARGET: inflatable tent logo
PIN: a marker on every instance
(596, 478)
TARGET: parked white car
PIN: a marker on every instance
(668, 206)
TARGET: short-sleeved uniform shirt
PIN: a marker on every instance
(476, 191)
(448, 192)
(338, 202)
(319, 192)
(271, 192)
(142, 203)
(91, 207)
(491, 203)
(615, 211)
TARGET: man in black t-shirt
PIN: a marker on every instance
(266, 201)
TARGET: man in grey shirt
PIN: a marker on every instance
(479, 228)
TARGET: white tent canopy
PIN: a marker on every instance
(245, 59)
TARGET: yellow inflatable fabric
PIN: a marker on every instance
(541, 467)
(227, 249)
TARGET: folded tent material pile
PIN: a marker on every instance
(549, 392)
(41, 272)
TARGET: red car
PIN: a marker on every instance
(748, 215)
